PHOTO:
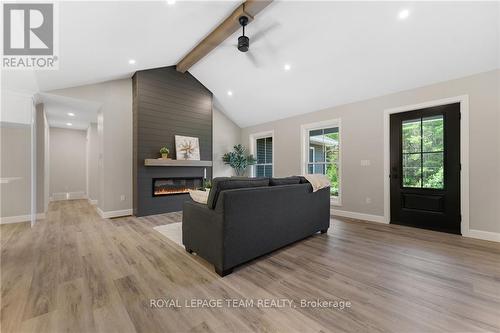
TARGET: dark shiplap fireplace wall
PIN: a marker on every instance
(167, 103)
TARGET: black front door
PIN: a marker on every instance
(425, 168)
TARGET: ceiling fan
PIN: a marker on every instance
(248, 9)
(244, 42)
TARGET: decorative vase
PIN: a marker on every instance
(164, 156)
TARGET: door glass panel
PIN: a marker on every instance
(324, 155)
(268, 171)
(319, 168)
(411, 136)
(422, 152)
(263, 167)
(433, 167)
(333, 175)
(332, 156)
(332, 144)
(317, 146)
(412, 172)
(432, 132)
(259, 170)
(269, 150)
(261, 151)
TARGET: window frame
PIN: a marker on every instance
(253, 149)
(305, 129)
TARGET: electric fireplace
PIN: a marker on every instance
(173, 186)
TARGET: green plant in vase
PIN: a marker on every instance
(238, 159)
(207, 185)
(164, 152)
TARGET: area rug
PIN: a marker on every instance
(172, 231)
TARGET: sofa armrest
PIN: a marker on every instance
(202, 231)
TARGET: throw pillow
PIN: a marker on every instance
(199, 196)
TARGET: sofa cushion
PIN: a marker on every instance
(284, 181)
(229, 183)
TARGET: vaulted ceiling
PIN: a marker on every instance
(338, 52)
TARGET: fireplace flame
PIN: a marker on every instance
(171, 186)
(167, 191)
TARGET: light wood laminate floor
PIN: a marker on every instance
(76, 272)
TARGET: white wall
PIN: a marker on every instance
(114, 127)
(226, 134)
(40, 158)
(15, 155)
(362, 139)
(67, 163)
(16, 108)
(92, 163)
(15, 170)
(46, 161)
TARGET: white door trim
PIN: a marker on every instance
(34, 161)
(464, 154)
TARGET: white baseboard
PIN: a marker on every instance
(358, 216)
(68, 196)
(92, 202)
(114, 213)
(484, 235)
(20, 218)
(478, 234)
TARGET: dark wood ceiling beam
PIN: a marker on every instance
(229, 26)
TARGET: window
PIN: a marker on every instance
(322, 153)
(423, 152)
(261, 148)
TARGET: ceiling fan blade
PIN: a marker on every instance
(264, 31)
(252, 59)
(227, 45)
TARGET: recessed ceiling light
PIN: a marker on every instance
(69, 124)
(131, 61)
(170, 2)
(287, 67)
(404, 14)
(229, 93)
(71, 114)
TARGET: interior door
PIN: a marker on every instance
(425, 168)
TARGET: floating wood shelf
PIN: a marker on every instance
(177, 163)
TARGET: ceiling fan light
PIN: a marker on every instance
(243, 43)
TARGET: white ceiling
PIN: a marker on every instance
(57, 109)
(343, 52)
(339, 51)
(97, 39)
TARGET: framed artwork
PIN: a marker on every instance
(187, 148)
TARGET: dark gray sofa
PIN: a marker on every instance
(247, 218)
